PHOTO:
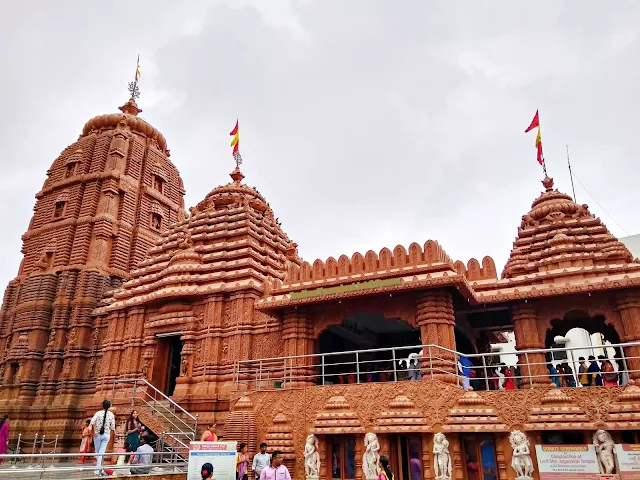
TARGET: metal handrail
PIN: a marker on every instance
(263, 372)
(135, 381)
(45, 463)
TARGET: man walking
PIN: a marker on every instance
(261, 460)
(276, 471)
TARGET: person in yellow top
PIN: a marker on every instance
(242, 461)
(583, 375)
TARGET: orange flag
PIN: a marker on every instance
(535, 123)
(235, 142)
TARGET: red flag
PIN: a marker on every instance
(235, 129)
(534, 123)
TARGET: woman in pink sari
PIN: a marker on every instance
(4, 435)
(86, 440)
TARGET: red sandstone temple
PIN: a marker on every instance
(125, 295)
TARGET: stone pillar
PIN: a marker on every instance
(436, 320)
(359, 452)
(525, 329)
(500, 441)
(427, 447)
(628, 306)
(457, 461)
(325, 459)
(297, 336)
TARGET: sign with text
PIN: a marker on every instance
(567, 462)
(222, 455)
(628, 461)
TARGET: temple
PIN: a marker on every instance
(211, 317)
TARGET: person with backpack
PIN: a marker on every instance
(102, 423)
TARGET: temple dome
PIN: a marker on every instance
(559, 234)
(234, 193)
(130, 117)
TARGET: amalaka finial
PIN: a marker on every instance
(237, 175)
(547, 183)
(130, 108)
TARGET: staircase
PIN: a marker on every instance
(174, 426)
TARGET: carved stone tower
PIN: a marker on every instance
(104, 203)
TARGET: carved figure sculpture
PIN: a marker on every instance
(441, 457)
(521, 461)
(370, 457)
(311, 457)
(604, 448)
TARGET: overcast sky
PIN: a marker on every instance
(364, 123)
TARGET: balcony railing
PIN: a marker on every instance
(483, 371)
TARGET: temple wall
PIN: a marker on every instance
(358, 409)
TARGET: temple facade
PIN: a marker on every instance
(123, 294)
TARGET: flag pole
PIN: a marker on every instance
(571, 175)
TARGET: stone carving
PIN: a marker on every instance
(604, 448)
(370, 457)
(521, 461)
(184, 366)
(311, 457)
(441, 458)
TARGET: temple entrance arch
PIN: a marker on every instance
(589, 335)
(166, 368)
(365, 331)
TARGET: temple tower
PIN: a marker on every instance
(105, 201)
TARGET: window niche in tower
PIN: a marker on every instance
(156, 221)
(58, 210)
(158, 184)
(71, 170)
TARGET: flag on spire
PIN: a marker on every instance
(138, 68)
(235, 143)
(535, 123)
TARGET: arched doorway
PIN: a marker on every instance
(587, 339)
(368, 333)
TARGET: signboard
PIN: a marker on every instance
(567, 462)
(222, 455)
(628, 461)
(351, 287)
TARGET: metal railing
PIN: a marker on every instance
(43, 466)
(179, 421)
(485, 371)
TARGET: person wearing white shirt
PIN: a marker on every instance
(276, 471)
(102, 423)
(143, 456)
(261, 460)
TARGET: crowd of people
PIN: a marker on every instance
(99, 436)
(591, 372)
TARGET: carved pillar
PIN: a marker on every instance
(436, 320)
(359, 452)
(525, 329)
(501, 462)
(457, 463)
(427, 448)
(628, 306)
(325, 460)
(297, 336)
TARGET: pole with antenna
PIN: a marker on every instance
(571, 175)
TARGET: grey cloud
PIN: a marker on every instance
(364, 123)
